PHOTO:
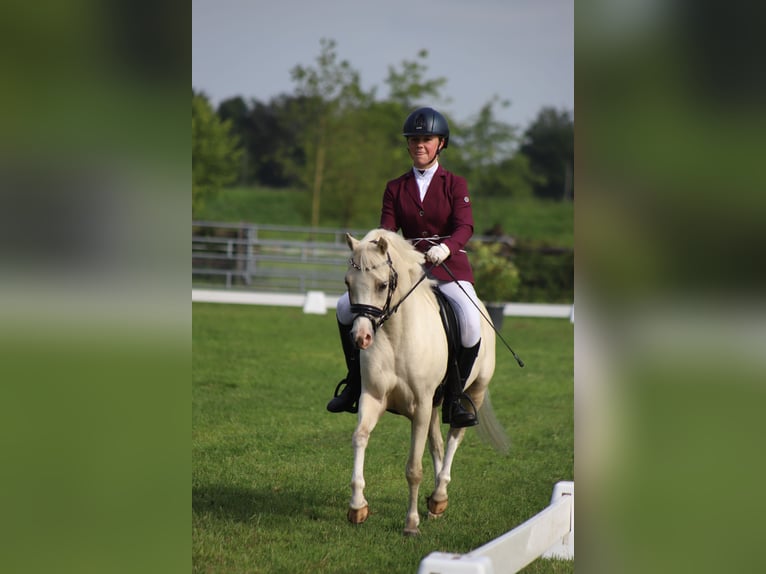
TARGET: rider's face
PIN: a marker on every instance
(423, 150)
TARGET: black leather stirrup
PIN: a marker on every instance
(348, 398)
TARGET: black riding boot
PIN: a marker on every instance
(348, 398)
(457, 415)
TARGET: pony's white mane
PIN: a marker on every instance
(403, 255)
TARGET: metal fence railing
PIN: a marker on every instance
(269, 257)
(261, 257)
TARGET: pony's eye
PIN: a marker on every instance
(383, 286)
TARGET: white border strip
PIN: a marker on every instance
(537, 310)
(299, 300)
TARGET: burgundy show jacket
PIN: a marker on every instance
(445, 211)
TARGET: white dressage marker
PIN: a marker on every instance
(548, 534)
(315, 303)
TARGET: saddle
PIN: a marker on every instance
(452, 330)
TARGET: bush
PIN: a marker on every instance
(496, 277)
(547, 273)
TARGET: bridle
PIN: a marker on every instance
(378, 315)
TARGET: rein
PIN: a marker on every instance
(407, 294)
(377, 315)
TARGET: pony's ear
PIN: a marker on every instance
(351, 241)
(382, 244)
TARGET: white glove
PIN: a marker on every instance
(437, 254)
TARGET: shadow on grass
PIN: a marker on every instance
(241, 504)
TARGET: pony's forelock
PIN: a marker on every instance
(402, 252)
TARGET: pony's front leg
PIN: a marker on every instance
(438, 501)
(370, 411)
(414, 470)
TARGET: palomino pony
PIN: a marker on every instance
(404, 355)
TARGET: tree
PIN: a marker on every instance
(332, 138)
(486, 155)
(328, 91)
(409, 85)
(215, 157)
(236, 112)
(549, 145)
(483, 145)
(352, 143)
(269, 135)
(512, 177)
(367, 150)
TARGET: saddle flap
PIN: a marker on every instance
(449, 321)
(452, 331)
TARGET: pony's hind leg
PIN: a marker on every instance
(438, 501)
(414, 471)
(436, 444)
(436, 447)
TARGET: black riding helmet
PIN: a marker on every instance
(426, 121)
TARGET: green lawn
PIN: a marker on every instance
(257, 205)
(528, 219)
(271, 467)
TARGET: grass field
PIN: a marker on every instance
(271, 467)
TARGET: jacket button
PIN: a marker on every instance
(422, 213)
(424, 234)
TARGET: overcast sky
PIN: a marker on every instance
(521, 50)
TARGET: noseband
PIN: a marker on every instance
(377, 315)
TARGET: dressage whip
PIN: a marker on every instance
(515, 356)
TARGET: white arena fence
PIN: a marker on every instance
(319, 302)
(548, 534)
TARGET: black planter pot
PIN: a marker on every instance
(495, 311)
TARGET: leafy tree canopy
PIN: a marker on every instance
(339, 143)
(549, 145)
(214, 152)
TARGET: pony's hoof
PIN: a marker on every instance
(358, 515)
(436, 507)
(412, 531)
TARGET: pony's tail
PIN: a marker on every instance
(490, 430)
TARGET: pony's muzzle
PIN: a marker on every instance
(362, 333)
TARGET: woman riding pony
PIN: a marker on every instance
(432, 208)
